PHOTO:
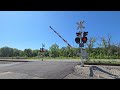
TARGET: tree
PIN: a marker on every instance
(54, 50)
(106, 44)
(46, 53)
(90, 43)
(118, 50)
(109, 45)
(69, 51)
(28, 52)
(62, 51)
(21, 53)
(35, 53)
(16, 52)
(6, 52)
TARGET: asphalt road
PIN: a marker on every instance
(37, 69)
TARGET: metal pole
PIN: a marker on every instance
(42, 56)
(82, 62)
(42, 52)
(81, 26)
(43, 45)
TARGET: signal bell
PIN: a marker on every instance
(78, 34)
(85, 34)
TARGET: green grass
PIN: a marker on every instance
(91, 61)
(104, 62)
(56, 58)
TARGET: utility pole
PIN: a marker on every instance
(81, 39)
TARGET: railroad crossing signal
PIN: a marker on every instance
(42, 50)
(79, 36)
(81, 39)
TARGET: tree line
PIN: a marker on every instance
(106, 49)
(13, 52)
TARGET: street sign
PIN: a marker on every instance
(81, 44)
(43, 45)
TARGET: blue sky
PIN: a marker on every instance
(29, 29)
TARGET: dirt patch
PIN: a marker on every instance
(95, 72)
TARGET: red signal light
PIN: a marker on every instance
(84, 39)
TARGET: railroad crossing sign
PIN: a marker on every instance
(80, 25)
(81, 44)
(43, 45)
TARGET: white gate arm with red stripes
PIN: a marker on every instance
(61, 37)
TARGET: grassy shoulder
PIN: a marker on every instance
(56, 58)
(91, 61)
(103, 62)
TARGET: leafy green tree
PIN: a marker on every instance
(6, 52)
(28, 52)
(54, 50)
(118, 50)
(106, 45)
(46, 53)
(21, 53)
(35, 53)
(90, 44)
(16, 52)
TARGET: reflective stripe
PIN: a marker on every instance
(60, 37)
